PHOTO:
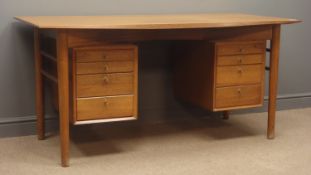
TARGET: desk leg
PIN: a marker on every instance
(39, 86)
(225, 115)
(63, 94)
(273, 80)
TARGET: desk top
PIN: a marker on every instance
(172, 21)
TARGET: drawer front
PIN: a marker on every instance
(104, 55)
(240, 48)
(238, 96)
(105, 84)
(239, 75)
(104, 67)
(105, 107)
(240, 59)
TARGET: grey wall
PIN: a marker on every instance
(16, 62)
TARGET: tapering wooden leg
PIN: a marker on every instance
(39, 86)
(63, 93)
(225, 115)
(273, 80)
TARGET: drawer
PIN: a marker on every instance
(240, 48)
(105, 84)
(105, 107)
(104, 67)
(238, 96)
(240, 59)
(239, 75)
(104, 55)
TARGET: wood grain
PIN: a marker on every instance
(78, 38)
(63, 91)
(239, 75)
(135, 83)
(197, 77)
(104, 55)
(238, 96)
(240, 59)
(39, 86)
(195, 62)
(105, 107)
(105, 84)
(273, 80)
(97, 79)
(105, 67)
(239, 48)
(165, 21)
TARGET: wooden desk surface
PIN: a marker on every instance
(172, 21)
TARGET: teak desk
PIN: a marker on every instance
(92, 64)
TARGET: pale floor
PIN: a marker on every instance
(187, 147)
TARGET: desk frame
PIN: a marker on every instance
(67, 38)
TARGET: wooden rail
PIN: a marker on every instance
(49, 76)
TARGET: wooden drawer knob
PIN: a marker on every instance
(239, 91)
(105, 67)
(240, 70)
(106, 80)
(104, 56)
(241, 50)
(240, 60)
(105, 102)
